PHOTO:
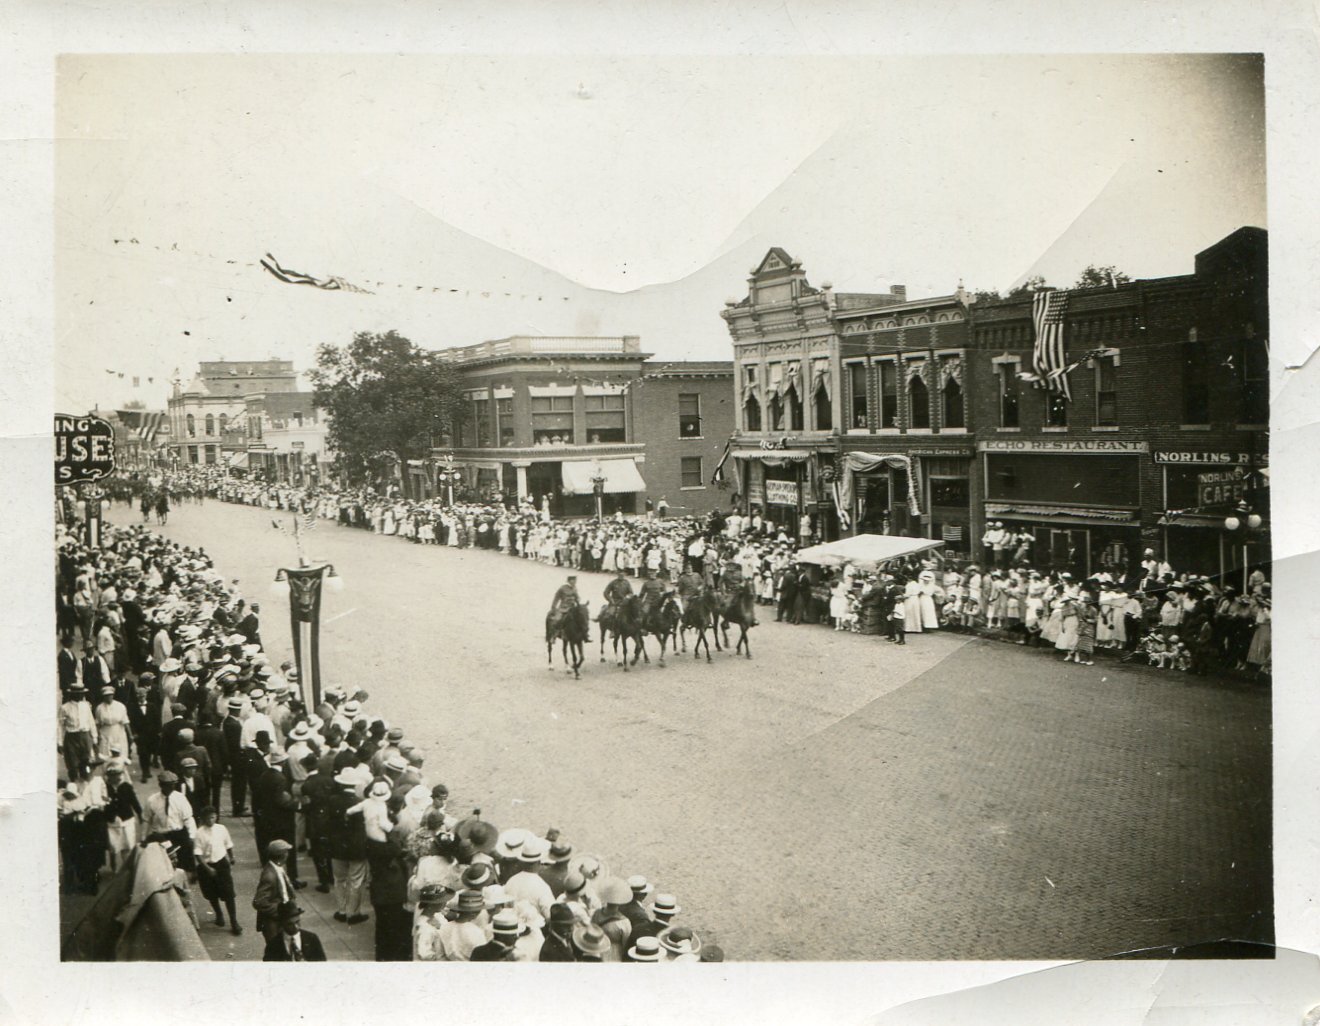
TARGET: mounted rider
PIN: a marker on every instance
(617, 592)
(690, 585)
(566, 600)
(653, 593)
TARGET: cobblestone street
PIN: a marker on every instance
(834, 797)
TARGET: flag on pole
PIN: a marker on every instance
(332, 283)
(717, 477)
(308, 520)
(845, 520)
(1049, 358)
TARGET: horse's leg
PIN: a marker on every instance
(602, 643)
(664, 641)
(746, 640)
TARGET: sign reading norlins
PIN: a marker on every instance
(84, 449)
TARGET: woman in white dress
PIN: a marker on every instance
(928, 591)
(839, 603)
(912, 607)
(111, 724)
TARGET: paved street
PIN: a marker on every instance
(833, 798)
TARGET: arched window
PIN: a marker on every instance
(794, 410)
(824, 408)
(192, 426)
(752, 414)
(918, 402)
(224, 422)
(210, 424)
(953, 404)
(777, 413)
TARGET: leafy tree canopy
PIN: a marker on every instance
(386, 398)
(1101, 277)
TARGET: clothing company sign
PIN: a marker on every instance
(1221, 487)
(1245, 459)
(781, 493)
(84, 449)
(1073, 445)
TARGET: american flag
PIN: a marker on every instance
(718, 476)
(149, 425)
(304, 521)
(1049, 360)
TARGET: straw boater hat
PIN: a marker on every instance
(511, 841)
(679, 940)
(647, 949)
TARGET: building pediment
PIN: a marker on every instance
(775, 261)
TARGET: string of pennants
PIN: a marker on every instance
(336, 283)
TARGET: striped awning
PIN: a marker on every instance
(1061, 514)
(772, 455)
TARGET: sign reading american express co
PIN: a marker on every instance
(1069, 445)
(1245, 459)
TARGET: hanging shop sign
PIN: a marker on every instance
(773, 444)
(781, 493)
(1071, 445)
(84, 449)
(1246, 459)
(1222, 487)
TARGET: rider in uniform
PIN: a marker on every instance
(618, 590)
(566, 600)
(690, 584)
(653, 593)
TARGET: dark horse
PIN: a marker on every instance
(662, 621)
(624, 622)
(736, 605)
(699, 614)
(571, 628)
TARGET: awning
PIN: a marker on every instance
(620, 476)
(771, 455)
(1191, 520)
(866, 550)
(1080, 515)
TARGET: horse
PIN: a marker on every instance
(699, 614)
(663, 623)
(571, 628)
(736, 606)
(628, 625)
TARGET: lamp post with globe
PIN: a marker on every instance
(1242, 526)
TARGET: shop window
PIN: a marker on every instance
(690, 470)
(1056, 409)
(1195, 382)
(857, 394)
(752, 414)
(192, 450)
(689, 415)
(192, 430)
(794, 405)
(888, 394)
(824, 419)
(1106, 392)
(1253, 379)
(918, 403)
(605, 419)
(210, 452)
(950, 492)
(210, 425)
(953, 405)
(1008, 395)
(504, 415)
(552, 420)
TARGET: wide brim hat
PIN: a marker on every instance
(615, 891)
(532, 851)
(171, 665)
(510, 842)
(590, 866)
(679, 940)
(470, 901)
(590, 939)
(345, 778)
(483, 836)
(300, 733)
(647, 949)
(236, 639)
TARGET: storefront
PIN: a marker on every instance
(1203, 492)
(946, 476)
(779, 482)
(1079, 499)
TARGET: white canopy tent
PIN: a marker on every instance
(620, 476)
(866, 550)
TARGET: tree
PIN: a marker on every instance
(1101, 277)
(1027, 287)
(388, 401)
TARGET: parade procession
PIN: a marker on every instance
(416, 603)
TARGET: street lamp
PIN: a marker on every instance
(1241, 525)
(598, 490)
(303, 586)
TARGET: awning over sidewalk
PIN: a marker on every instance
(866, 550)
(772, 455)
(620, 476)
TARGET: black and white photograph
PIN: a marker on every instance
(491, 492)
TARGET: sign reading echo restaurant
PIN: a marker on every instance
(84, 449)
(1073, 445)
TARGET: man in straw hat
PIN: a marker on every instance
(505, 928)
(77, 733)
(465, 931)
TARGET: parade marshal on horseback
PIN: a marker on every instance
(568, 621)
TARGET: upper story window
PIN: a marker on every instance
(605, 417)
(552, 420)
(1056, 409)
(1195, 382)
(689, 415)
(504, 414)
(821, 401)
(210, 424)
(918, 401)
(1253, 361)
(224, 422)
(857, 395)
(888, 394)
(1008, 395)
(1106, 391)
(954, 416)
(192, 427)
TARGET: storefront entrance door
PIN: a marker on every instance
(1068, 548)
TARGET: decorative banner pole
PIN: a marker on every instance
(304, 585)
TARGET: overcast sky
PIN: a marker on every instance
(594, 196)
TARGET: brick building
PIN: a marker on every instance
(1171, 412)
(916, 409)
(284, 438)
(552, 416)
(202, 411)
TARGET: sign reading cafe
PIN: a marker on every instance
(84, 449)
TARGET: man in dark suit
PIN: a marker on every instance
(250, 625)
(274, 810)
(504, 934)
(317, 789)
(293, 943)
(232, 729)
(95, 670)
(67, 662)
(558, 943)
(168, 746)
(202, 778)
(135, 627)
(787, 594)
(212, 740)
